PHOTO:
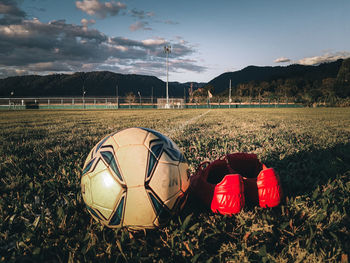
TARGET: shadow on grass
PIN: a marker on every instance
(303, 172)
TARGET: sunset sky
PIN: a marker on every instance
(208, 38)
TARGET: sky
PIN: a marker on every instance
(207, 38)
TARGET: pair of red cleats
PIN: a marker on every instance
(225, 184)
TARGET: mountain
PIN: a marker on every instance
(101, 83)
(254, 73)
(104, 83)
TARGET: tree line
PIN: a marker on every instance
(327, 90)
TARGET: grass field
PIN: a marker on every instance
(43, 217)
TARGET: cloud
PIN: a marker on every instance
(282, 60)
(143, 15)
(170, 22)
(328, 57)
(9, 7)
(12, 71)
(187, 64)
(40, 9)
(139, 25)
(35, 47)
(154, 42)
(49, 67)
(157, 67)
(101, 10)
(11, 13)
(140, 14)
(86, 22)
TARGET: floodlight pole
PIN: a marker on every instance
(152, 96)
(185, 94)
(139, 96)
(11, 95)
(117, 94)
(167, 50)
(229, 95)
(83, 78)
(83, 97)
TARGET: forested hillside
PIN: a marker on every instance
(102, 83)
(328, 83)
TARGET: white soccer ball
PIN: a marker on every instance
(135, 178)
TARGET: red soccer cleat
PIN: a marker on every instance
(221, 186)
(218, 187)
(228, 195)
(269, 188)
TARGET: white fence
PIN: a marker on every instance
(76, 102)
(171, 103)
(124, 103)
(96, 102)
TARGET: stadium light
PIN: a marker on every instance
(167, 50)
(139, 96)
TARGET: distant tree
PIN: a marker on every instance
(200, 95)
(342, 85)
(252, 88)
(264, 88)
(240, 90)
(269, 95)
(328, 90)
(290, 87)
(315, 95)
(279, 91)
(344, 71)
(130, 97)
(328, 83)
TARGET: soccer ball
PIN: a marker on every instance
(135, 178)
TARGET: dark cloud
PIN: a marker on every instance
(143, 15)
(36, 42)
(156, 67)
(187, 64)
(9, 7)
(122, 41)
(10, 13)
(34, 47)
(12, 71)
(50, 67)
(140, 14)
(180, 50)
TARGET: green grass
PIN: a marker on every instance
(43, 217)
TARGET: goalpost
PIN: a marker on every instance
(174, 103)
